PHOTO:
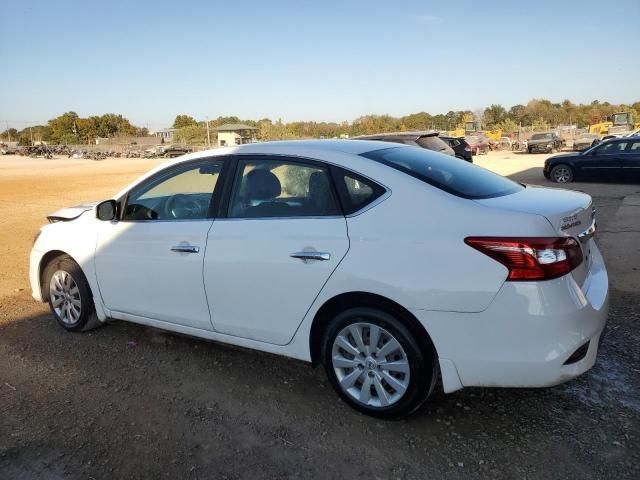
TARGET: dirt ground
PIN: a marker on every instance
(126, 401)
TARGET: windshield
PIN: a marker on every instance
(541, 136)
(457, 177)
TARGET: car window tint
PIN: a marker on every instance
(612, 148)
(635, 148)
(280, 188)
(181, 193)
(458, 178)
(356, 192)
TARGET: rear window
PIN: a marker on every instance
(432, 143)
(446, 173)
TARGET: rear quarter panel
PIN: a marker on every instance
(410, 248)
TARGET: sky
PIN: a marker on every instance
(303, 60)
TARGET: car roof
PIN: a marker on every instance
(290, 147)
(286, 147)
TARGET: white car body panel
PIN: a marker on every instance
(245, 298)
(77, 239)
(487, 332)
(138, 274)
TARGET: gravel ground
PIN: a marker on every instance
(127, 401)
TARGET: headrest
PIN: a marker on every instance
(262, 185)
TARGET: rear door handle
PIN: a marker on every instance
(185, 249)
(311, 255)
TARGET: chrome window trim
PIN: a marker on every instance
(302, 217)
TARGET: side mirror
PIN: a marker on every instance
(106, 210)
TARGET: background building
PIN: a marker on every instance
(165, 134)
(236, 134)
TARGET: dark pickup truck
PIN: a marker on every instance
(547, 142)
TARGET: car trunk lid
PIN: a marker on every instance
(569, 213)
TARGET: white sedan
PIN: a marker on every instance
(390, 265)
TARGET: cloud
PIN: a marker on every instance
(429, 20)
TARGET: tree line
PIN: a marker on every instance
(540, 114)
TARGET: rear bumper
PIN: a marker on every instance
(527, 336)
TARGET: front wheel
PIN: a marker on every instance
(70, 297)
(376, 364)
(561, 174)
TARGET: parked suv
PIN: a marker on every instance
(426, 139)
(547, 142)
(460, 147)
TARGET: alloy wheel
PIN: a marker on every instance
(65, 297)
(370, 364)
(561, 175)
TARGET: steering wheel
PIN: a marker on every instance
(181, 205)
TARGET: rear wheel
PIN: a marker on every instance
(561, 174)
(376, 365)
(70, 298)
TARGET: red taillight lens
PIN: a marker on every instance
(531, 258)
(467, 148)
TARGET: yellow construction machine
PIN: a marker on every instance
(620, 122)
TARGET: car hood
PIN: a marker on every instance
(564, 156)
(540, 141)
(70, 213)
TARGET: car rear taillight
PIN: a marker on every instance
(467, 148)
(531, 258)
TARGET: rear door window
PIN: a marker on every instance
(462, 179)
(271, 188)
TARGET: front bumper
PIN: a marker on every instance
(544, 148)
(34, 274)
(527, 336)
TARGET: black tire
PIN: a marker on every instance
(529, 151)
(87, 318)
(561, 173)
(421, 358)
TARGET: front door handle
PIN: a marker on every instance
(185, 249)
(311, 255)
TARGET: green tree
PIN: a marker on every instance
(494, 115)
(182, 121)
(517, 113)
(192, 135)
(64, 128)
(508, 126)
(9, 134)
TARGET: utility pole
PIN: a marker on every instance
(208, 133)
